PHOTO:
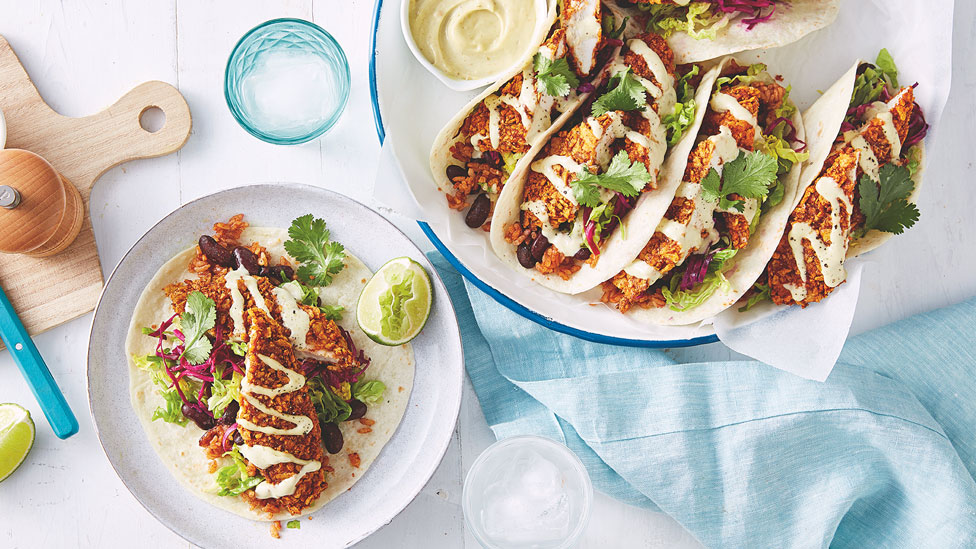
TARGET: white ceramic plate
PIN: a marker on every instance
(405, 464)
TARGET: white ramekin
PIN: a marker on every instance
(542, 10)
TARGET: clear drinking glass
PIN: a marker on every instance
(527, 492)
(287, 81)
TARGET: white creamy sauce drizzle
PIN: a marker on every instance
(689, 236)
(831, 256)
(546, 167)
(533, 106)
(237, 299)
(656, 144)
(292, 316)
(723, 102)
(263, 457)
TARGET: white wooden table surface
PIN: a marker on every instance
(84, 55)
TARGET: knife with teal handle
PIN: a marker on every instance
(39, 378)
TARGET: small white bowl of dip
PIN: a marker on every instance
(468, 44)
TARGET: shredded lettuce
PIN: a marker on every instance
(698, 20)
(752, 74)
(510, 159)
(223, 392)
(171, 411)
(328, 406)
(682, 300)
(914, 160)
(233, 479)
(239, 348)
(684, 110)
(760, 293)
(369, 392)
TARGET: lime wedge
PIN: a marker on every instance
(16, 437)
(395, 303)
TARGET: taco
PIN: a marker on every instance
(859, 189)
(728, 213)
(477, 151)
(705, 29)
(245, 378)
(578, 210)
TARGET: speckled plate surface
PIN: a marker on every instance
(405, 464)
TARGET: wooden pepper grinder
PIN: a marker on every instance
(41, 213)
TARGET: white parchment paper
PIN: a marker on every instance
(805, 342)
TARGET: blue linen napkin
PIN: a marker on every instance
(743, 455)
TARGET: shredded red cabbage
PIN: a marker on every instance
(588, 233)
(227, 433)
(697, 268)
(751, 8)
(614, 42)
(178, 368)
(586, 87)
(918, 128)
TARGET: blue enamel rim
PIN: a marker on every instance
(514, 306)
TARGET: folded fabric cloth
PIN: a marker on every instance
(743, 455)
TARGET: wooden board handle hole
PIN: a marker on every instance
(152, 119)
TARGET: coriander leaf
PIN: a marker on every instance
(309, 244)
(886, 64)
(760, 293)
(233, 479)
(623, 176)
(294, 524)
(750, 175)
(391, 305)
(199, 316)
(556, 77)
(627, 94)
(369, 392)
(711, 186)
(885, 204)
(332, 312)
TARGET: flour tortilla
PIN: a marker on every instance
(177, 446)
(440, 151)
(635, 229)
(747, 265)
(788, 24)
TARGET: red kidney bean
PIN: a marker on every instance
(215, 252)
(455, 171)
(478, 213)
(358, 409)
(278, 272)
(539, 246)
(331, 438)
(238, 439)
(230, 413)
(203, 418)
(524, 255)
(493, 159)
(582, 255)
(246, 258)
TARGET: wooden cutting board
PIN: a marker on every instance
(49, 291)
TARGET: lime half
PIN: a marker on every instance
(16, 437)
(395, 303)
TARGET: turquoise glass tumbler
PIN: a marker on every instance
(287, 81)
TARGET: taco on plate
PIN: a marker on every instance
(726, 217)
(705, 29)
(578, 210)
(248, 377)
(859, 189)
